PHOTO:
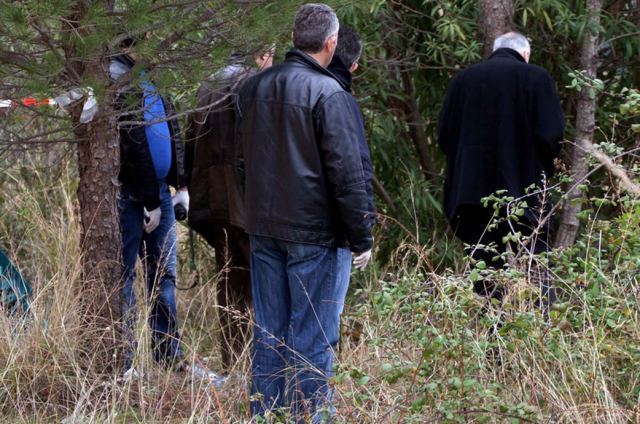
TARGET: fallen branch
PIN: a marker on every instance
(616, 170)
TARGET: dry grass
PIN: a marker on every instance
(422, 328)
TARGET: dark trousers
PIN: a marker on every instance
(231, 246)
(158, 254)
(471, 226)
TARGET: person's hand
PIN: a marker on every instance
(152, 219)
(360, 260)
(181, 198)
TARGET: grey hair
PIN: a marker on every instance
(512, 40)
(313, 25)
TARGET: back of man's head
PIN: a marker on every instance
(512, 40)
(349, 48)
(313, 25)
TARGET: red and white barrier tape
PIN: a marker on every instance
(89, 108)
(29, 101)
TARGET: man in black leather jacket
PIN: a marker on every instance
(305, 208)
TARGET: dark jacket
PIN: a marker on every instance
(302, 167)
(342, 74)
(137, 172)
(500, 128)
(215, 195)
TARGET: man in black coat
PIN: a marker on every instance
(306, 211)
(500, 129)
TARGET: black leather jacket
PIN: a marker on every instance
(137, 172)
(299, 157)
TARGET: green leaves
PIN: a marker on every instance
(474, 276)
(581, 81)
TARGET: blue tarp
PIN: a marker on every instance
(15, 291)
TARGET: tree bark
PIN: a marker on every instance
(496, 18)
(407, 109)
(98, 164)
(585, 126)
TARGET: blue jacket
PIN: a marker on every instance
(137, 170)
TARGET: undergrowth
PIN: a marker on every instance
(417, 346)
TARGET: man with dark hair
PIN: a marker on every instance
(305, 208)
(500, 128)
(343, 65)
(349, 48)
(216, 210)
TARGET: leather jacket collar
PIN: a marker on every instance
(297, 55)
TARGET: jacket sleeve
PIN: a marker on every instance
(548, 121)
(193, 130)
(337, 129)
(189, 146)
(136, 157)
(177, 159)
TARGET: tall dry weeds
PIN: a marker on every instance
(415, 346)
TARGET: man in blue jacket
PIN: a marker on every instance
(151, 158)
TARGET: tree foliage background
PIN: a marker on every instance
(413, 48)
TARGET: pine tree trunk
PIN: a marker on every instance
(496, 18)
(98, 165)
(585, 126)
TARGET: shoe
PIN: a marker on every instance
(202, 372)
(131, 374)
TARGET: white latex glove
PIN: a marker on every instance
(181, 197)
(360, 260)
(152, 219)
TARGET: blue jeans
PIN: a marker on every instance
(299, 292)
(158, 254)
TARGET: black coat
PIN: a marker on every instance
(302, 167)
(500, 128)
(215, 195)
